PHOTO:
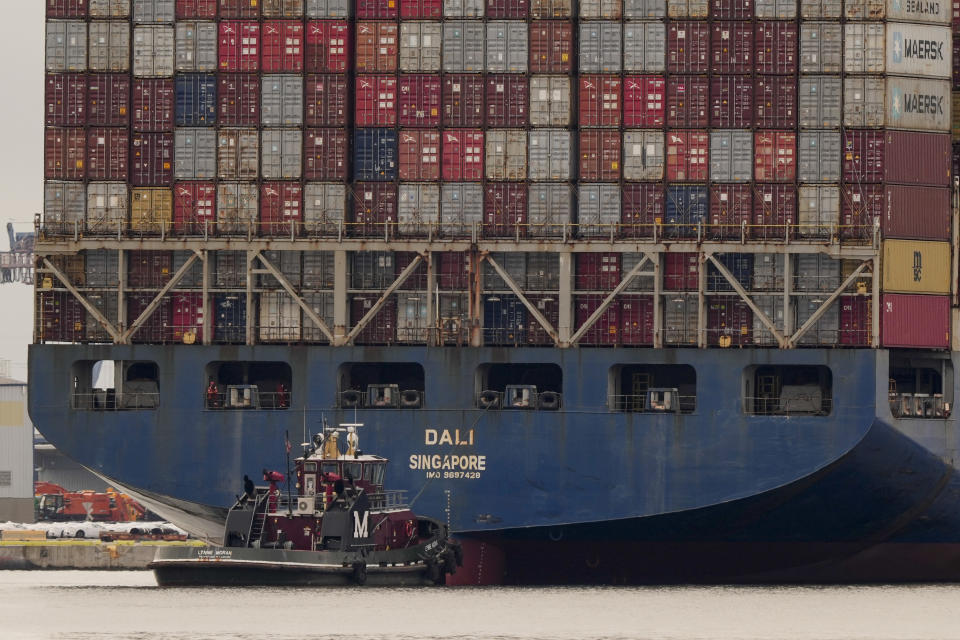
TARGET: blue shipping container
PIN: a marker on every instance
(230, 318)
(504, 320)
(196, 99)
(740, 266)
(375, 154)
(686, 208)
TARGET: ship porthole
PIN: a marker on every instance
(555, 533)
(593, 560)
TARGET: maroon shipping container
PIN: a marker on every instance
(327, 48)
(65, 153)
(239, 8)
(419, 101)
(681, 271)
(504, 209)
(149, 269)
(282, 46)
(918, 321)
(66, 8)
(376, 101)
(597, 271)
(326, 154)
(775, 156)
(151, 159)
(108, 100)
(239, 98)
(187, 9)
(194, 208)
(600, 101)
(731, 101)
(729, 317)
(453, 270)
(377, 9)
(59, 317)
(687, 99)
(463, 100)
(774, 210)
(281, 208)
(421, 9)
(156, 329)
(907, 212)
(688, 46)
(549, 308)
(154, 102)
(642, 207)
(419, 151)
(326, 101)
(776, 46)
(731, 206)
(599, 155)
(382, 328)
(688, 156)
(462, 155)
(644, 101)
(187, 310)
(513, 9)
(775, 102)
(66, 100)
(551, 46)
(377, 47)
(732, 9)
(731, 47)
(605, 330)
(855, 324)
(374, 205)
(860, 205)
(636, 320)
(416, 280)
(508, 100)
(903, 157)
(107, 153)
(239, 48)
(956, 57)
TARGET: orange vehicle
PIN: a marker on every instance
(56, 503)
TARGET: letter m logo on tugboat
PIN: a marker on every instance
(361, 527)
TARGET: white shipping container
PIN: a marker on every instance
(324, 207)
(281, 154)
(153, 51)
(688, 8)
(109, 8)
(550, 155)
(109, 46)
(289, 265)
(154, 11)
(863, 101)
(319, 269)
(818, 156)
(598, 210)
(601, 46)
(680, 316)
(513, 262)
(820, 102)
(917, 11)
(66, 45)
(238, 154)
(328, 8)
(412, 320)
(196, 46)
(731, 156)
(821, 47)
(106, 207)
(816, 272)
(64, 207)
(106, 304)
(463, 46)
(639, 283)
(195, 153)
(420, 46)
(549, 101)
(550, 207)
(825, 330)
(772, 307)
(463, 8)
(643, 154)
(918, 104)
(644, 46)
(507, 49)
(279, 317)
(768, 272)
(282, 100)
(237, 208)
(418, 209)
(461, 208)
(776, 9)
(606, 9)
(321, 304)
(864, 9)
(819, 210)
(506, 154)
(863, 47)
(636, 9)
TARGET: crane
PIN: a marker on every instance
(16, 265)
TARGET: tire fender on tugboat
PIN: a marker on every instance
(360, 573)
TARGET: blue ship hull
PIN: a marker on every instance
(583, 494)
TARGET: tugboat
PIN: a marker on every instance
(342, 527)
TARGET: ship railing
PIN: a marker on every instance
(109, 400)
(797, 405)
(388, 499)
(637, 403)
(263, 400)
(919, 405)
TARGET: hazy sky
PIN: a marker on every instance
(21, 161)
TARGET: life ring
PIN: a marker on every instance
(489, 399)
(350, 398)
(410, 398)
(549, 400)
(360, 573)
(408, 529)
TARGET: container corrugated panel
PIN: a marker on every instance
(687, 211)
(66, 46)
(281, 210)
(412, 319)
(194, 208)
(282, 49)
(549, 308)
(768, 272)
(775, 102)
(229, 318)
(102, 268)
(731, 101)
(239, 46)
(66, 8)
(237, 208)
(606, 329)
(816, 272)
(375, 101)
(826, 330)
(318, 270)
(916, 321)
(729, 321)
(154, 104)
(193, 278)
(281, 154)
(774, 210)
(916, 266)
(550, 101)
(731, 156)
(230, 269)
(419, 101)
(282, 100)
(453, 270)
(915, 50)
(643, 207)
(680, 320)
(599, 104)
(918, 104)
(855, 323)
(550, 207)
(597, 271)
(327, 47)
(820, 99)
(377, 47)
(518, 9)
(288, 263)
(643, 155)
(818, 210)
(151, 159)
(551, 156)
(238, 154)
(108, 99)
(238, 95)
(65, 100)
(599, 155)
(149, 269)
(59, 317)
(600, 47)
(462, 100)
(687, 102)
(374, 208)
(864, 47)
(377, 9)
(196, 46)
(687, 156)
(322, 305)
(638, 283)
(420, 46)
(688, 8)
(107, 153)
(636, 320)
(108, 46)
(153, 51)
(551, 47)
(65, 153)
(324, 208)
(196, 99)
(732, 9)
(371, 269)
(864, 9)
(197, 9)
(731, 207)
(731, 47)
(504, 209)
(109, 8)
(195, 153)
(463, 151)
(644, 47)
(821, 49)
(598, 210)
(514, 263)
(64, 207)
(775, 154)
(915, 213)
(605, 9)
(151, 211)
(506, 46)
(106, 207)
(550, 8)
(463, 45)
(896, 156)
(818, 156)
(863, 101)
(186, 318)
(418, 211)
(688, 47)
(820, 9)
(326, 101)
(375, 154)
(504, 320)
(776, 9)
(508, 100)
(419, 154)
(424, 9)
(862, 204)
(461, 208)
(772, 307)
(644, 101)
(106, 303)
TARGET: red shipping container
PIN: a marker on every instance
(376, 101)
(642, 207)
(419, 152)
(508, 100)
(917, 321)
(154, 102)
(775, 156)
(107, 153)
(687, 98)
(504, 209)
(149, 269)
(377, 47)
(636, 320)
(374, 205)
(66, 8)
(417, 280)
(239, 98)
(239, 8)
(158, 327)
(731, 206)
(376, 9)
(644, 101)
(776, 46)
(600, 101)
(551, 46)
(549, 308)
(108, 100)
(66, 100)
(419, 101)
(327, 46)
(956, 57)
(382, 328)
(462, 155)
(463, 100)
(688, 156)
(421, 9)
(732, 9)
(729, 318)
(65, 153)
(775, 102)
(731, 47)
(282, 46)
(855, 324)
(187, 9)
(731, 102)
(151, 158)
(187, 317)
(239, 46)
(513, 9)
(599, 155)
(59, 317)
(281, 208)
(903, 157)
(681, 271)
(326, 101)
(688, 47)
(605, 330)
(860, 205)
(774, 210)
(194, 208)
(325, 154)
(597, 271)
(453, 270)
(911, 212)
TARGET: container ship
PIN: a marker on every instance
(629, 291)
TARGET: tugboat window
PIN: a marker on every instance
(234, 385)
(115, 385)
